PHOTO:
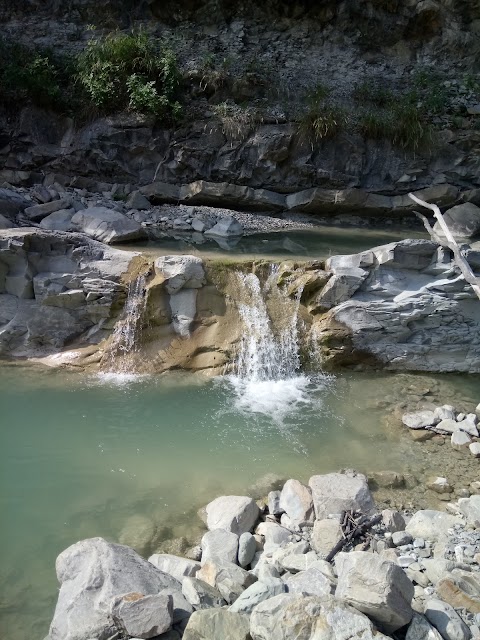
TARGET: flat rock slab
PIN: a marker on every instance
(337, 492)
(446, 620)
(431, 525)
(232, 513)
(217, 624)
(107, 225)
(418, 419)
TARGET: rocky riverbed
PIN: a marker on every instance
(260, 572)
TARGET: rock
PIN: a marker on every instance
(174, 565)
(217, 624)
(220, 544)
(420, 629)
(325, 535)
(399, 538)
(470, 507)
(247, 546)
(59, 220)
(107, 225)
(90, 578)
(447, 426)
(266, 571)
(274, 503)
(5, 223)
(137, 200)
(421, 435)
(311, 582)
(444, 618)
(437, 568)
(439, 485)
(232, 513)
(463, 220)
(225, 228)
(445, 412)
(201, 595)
(139, 533)
(234, 196)
(161, 192)
(256, 593)
(274, 535)
(295, 562)
(296, 502)
(475, 449)
(143, 616)
(181, 272)
(469, 425)
(461, 590)
(339, 288)
(431, 525)
(12, 203)
(376, 587)
(227, 577)
(393, 520)
(386, 479)
(298, 617)
(419, 419)
(337, 492)
(460, 440)
(198, 225)
(39, 211)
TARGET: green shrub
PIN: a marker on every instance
(403, 125)
(322, 122)
(128, 71)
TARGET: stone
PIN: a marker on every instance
(399, 538)
(337, 492)
(59, 220)
(445, 412)
(475, 449)
(386, 479)
(299, 617)
(419, 419)
(256, 593)
(143, 616)
(325, 535)
(227, 577)
(39, 211)
(234, 196)
(421, 435)
(447, 426)
(247, 547)
(274, 503)
(439, 485)
(463, 220)
(469, 425)
(181, 272)
(232, 513)
(296, 502)
(431, 525)
(137, 200)
(470, 507)
(420, 629)
(460, 440)
(198, 225)
(89, 577)
(274, 535)
(161, 192)
(107, 225)
(201, 595)
(139, 533)
(393, 520)
(295, 562)
(376, 587)
(217, 624)
(339, 288)
(220, 544)
(444, 618)
(461, 590)
(225, 228)
(311, 582)
(5, 223)
(174, 565)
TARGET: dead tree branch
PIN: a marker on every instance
(449, 242)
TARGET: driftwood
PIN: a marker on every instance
(354, 525)
(449, 242)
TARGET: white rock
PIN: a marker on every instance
(475, 449)
(233, 513)
(174, 565)
(219, 543)
(201, 595)
(431, 525)
(181, 272)
(247, 547)
(393, 520)
(311, 582)
(469, 425)
(447, 426)
(444, 618)
(419, 419)
(256, 593)
(274, 535)
(295, 562)
(470, 507)
(143, 616)
(460, 440)
(296, 501)
(337, 492)
(445, 412)
(274, 503)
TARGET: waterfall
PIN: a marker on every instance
(267, 377)
(125, 338)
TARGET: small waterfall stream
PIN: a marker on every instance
(125, 338)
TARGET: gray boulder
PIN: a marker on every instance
(296, 502)
(174, 565)
(137, 200)
(225, 228)
(59, 220)
(220, 544)
(201, 595)
(106, 225)
(256, 593)
(232, 513)
(143, 616)
(247, 547)
(445, 619)
(227, 577)
(420, 629)
(5, 223)
(217, 624)
(39, 211)
(375, 586)
(325, 535)
(311, 582)
(337, 492)
(181, 272)
(91, 573)
(463, 220)
(431, 525)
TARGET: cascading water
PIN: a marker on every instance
(267, 377)
(119, 359)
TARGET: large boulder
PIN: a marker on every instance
(446, 620)
(227, 577)
(39, 211)
(299, 617)
(59, 220)
(256, 593)
(12, 203)
(337, 492)
(220, 544)
(375, 586)
(431, 525)
(143, 616)
(232, 513)
(174, 565)
(296, 502)
(217, 624)
(181, 272)
(107, 225)
(462, 220)
(92, 573)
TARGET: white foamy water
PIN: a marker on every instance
(267, 378)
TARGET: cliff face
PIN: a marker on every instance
(247, 74)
